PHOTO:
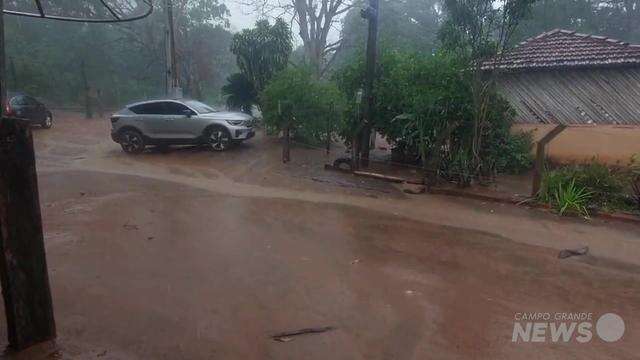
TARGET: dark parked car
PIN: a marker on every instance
(27, 107)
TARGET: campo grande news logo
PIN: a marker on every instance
(566, 327)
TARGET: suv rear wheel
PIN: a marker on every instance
(219, 138)
(132, 142)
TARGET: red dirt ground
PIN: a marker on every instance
(196, 255)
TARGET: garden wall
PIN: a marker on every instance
(610, 144)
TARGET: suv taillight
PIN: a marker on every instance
(8, 110)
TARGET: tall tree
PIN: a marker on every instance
(262, 51)
(618, 19)
(408, 25)
(124, 61)
(315, 20)
(480, 30)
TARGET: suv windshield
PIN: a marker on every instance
(200, 108)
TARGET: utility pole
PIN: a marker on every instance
(372, 14)
(173, 85)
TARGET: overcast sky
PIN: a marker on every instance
(242, 16)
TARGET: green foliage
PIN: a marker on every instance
(457, 167)
(240, 93)
(405, 80)
(405, 25)
(572, 199)
(605, 186)
(476, 30)
(311, 108)
(635, 178)
(479, 28)
(509, 153)
(424, 105)
(263, 51)
(619, 19)
(125, 62)
(634, 166)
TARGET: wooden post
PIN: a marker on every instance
(286, 134)
(87, 96)
(328, 146)
(540, 158)
(286, 149)
(372, 14)
(23, 264)
(329, 130)
(355, 153)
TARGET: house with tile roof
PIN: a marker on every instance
(570, 78)
(591, 83)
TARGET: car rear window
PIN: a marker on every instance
(18, 100)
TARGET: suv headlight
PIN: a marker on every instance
(235, 122)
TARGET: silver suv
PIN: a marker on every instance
(178, 122)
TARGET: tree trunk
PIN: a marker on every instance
(23, 264)
(286, 145)
(3, 85)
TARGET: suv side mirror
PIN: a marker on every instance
(188, 113)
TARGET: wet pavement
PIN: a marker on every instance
(196, 255)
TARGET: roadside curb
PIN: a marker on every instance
(627, 218)
(620, 217)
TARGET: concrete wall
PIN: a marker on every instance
(610, 144)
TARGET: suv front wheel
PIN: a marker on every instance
(132, 142)
(219, 138)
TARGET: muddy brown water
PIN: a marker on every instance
(185, 256)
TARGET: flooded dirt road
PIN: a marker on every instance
(195, 255)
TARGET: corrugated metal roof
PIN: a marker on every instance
(574, 96)
(560, 49)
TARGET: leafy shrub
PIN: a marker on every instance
(424, 105)
(457, 168)
(636, 192)
(511, 153)
(551, 182)
(635, 180)
(263, 51)
(572, 199)
(240, 93)
(606, 187)
(312, 108)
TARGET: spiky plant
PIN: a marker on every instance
(572, 199)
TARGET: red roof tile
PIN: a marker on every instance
(566, 49)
